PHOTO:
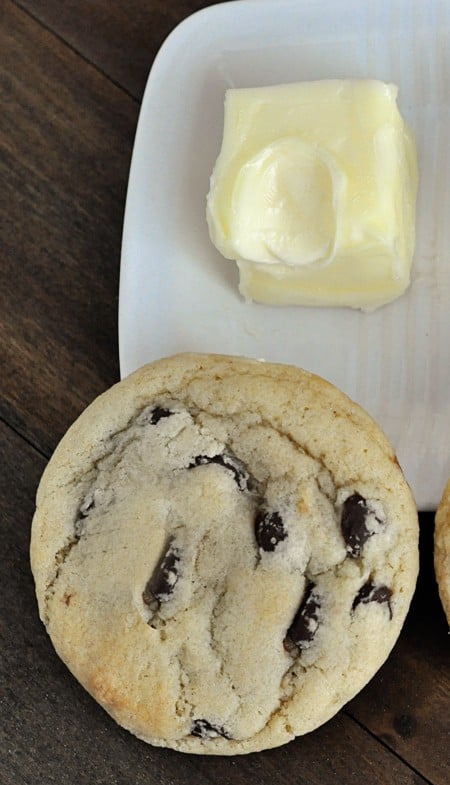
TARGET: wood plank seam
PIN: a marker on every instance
(388, 748)
(75, 51)
(24, 438)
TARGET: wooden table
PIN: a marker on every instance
(72, 73)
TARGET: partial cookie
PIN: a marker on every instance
(224, 552)
(442, 550)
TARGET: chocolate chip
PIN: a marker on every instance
(165, 575)
(87, 507)
(355, 512)
(306, 622)
(241, 476)
(371, 593)
(269, 529)
(205, 730)
(159, 413)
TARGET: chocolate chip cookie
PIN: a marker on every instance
(442, 550)
(224, 552)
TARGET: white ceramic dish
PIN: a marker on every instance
(177, 293)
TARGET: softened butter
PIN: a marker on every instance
(314, 191)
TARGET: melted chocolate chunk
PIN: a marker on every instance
(205, 730)
(165, 575)
(87, 507)
(355, 512)
(269, 529)
(305, 624)
(371, 593)
(241, 476)
(159, 413)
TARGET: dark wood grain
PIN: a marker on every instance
(66, 136)
(122, 39)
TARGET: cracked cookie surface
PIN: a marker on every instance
(224, 552)
(442, 550)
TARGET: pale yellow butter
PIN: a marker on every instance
(314, 191)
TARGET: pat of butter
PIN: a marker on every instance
(314, 192)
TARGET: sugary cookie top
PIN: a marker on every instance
(442, 549)
(224, 552)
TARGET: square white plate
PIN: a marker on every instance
(178, 294)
